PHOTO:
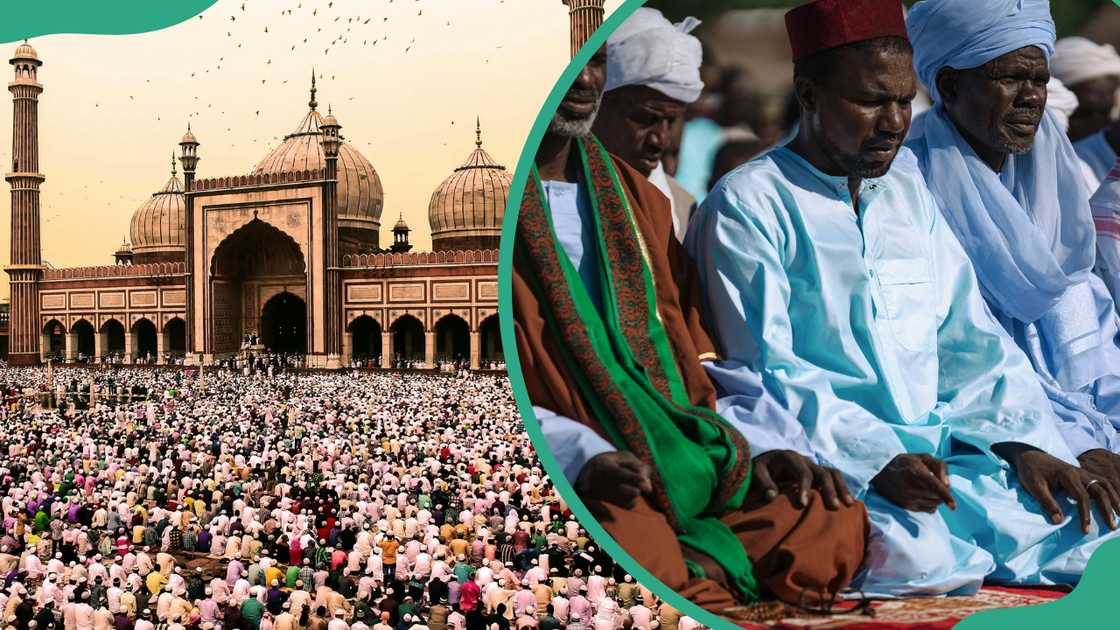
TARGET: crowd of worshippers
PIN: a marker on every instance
(304, 500)
(881, 354)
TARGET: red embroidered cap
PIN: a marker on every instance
(823, 24)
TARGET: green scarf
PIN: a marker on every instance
(625, 369)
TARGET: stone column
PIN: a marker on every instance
(476, 349)
(386, 349)
(430, 349)
(161, 346)
(71, 347)
(98, 342)
(130, 344)
(44, 346)
(347, 348)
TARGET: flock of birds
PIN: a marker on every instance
(327, 30)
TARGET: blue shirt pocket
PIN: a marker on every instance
(909, 302)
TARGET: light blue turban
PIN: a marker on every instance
(966, 34)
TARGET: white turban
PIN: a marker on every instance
(649, 50)
(1077, 59)
(1061, 101)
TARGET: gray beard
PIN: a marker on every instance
(572, 127)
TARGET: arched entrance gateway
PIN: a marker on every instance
(145, 332)
(258, 282)
(453, 339)
(112, 341)
(491, 340)
(55, 336)
(408, 339)
(176, 341)
(83, 333)
(284, 324)
(366, 335)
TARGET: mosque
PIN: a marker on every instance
(290, 254)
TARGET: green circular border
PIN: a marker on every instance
(1088, 604)
(24, 20)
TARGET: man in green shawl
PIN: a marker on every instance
(610, 345)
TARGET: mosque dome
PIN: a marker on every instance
(25, 51)
(360, 196)
(158, 226)
(466, 210)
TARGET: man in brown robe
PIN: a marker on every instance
(802, 532)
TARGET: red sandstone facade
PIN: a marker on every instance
(277, 253)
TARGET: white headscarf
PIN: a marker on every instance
(1077, 59)
(649, 50)
(1061, 101)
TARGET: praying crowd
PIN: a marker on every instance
(871, 348)
(288, 500)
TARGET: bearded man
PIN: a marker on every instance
(827, 266)
(653, 75)
(610, 344)
(1007, 181)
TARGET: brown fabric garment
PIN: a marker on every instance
(795, 552)
(547, 379)
(791, 549)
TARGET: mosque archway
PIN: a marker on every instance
(284, 324)
(490, 343)
(55, 336)
(83, 334)
(453, 339)
(176, 341)
(256, 255)
(113, 340)
(366, 335)
(146, 343)
(408, 339)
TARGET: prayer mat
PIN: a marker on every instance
(915, 613)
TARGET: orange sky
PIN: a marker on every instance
(114, 107)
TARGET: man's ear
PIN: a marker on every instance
(948, 84)
(805, 90)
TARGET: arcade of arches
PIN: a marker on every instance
(451, 339)
(143, 339)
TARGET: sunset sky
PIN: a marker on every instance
(406, 82)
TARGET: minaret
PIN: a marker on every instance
(400, 237)
(587, 17)
(188, 156)
(123, 255)
(332, 312)
(25, 178)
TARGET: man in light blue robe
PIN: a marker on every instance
(1008, 182)
(827, 267)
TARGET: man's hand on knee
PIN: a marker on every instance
(778, 469)
(617, 477)
(916, 483)
(1104, 464)
(1042, 474)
